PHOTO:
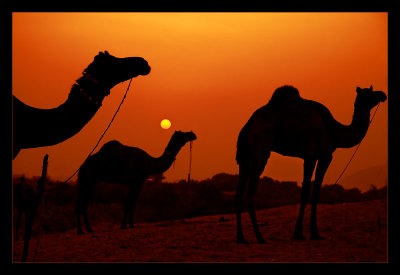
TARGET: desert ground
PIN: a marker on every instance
(354, 232)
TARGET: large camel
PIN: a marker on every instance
(116, 163)
(33, 127)
(296, 127)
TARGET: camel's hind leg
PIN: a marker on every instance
(322, 166)
(255, 170)
(243, 177)
(78, 209)
(85, 217)
(309, 166)
(130, 203)
(85, 186)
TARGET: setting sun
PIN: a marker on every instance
(165, 124)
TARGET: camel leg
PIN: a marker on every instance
(82, 203)
(85, 217)
(133, 203)
(322, 166)
(255, 172)
(243, 176)
(309, 166)
(124, 222)
(129, 207)
(78, 212)
(79, 207)
(253, 184)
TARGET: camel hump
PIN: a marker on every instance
(284, 94)
(111, 145)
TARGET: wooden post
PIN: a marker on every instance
(38, 200)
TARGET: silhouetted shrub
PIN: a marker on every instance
(165, 201)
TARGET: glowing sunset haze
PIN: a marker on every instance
(209, 73)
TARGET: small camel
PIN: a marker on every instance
(293, 126)
(116, 163)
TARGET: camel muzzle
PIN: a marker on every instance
(381, 96)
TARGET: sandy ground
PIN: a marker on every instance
(354, 232)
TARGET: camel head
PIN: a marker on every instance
(178, 140)
(183, 137)
(367, 98)
(109, 70)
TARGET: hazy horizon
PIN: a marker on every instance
(210, 72)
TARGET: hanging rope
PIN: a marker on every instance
(38, 200)
(94, 148)
(358, 146)
(190, 166)
(101, 137)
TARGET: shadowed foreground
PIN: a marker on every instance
(355, 232)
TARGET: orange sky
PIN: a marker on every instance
(210, 72)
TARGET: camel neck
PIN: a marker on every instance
(352, 134)
(77, 110)
(59, 123)
(164, 162)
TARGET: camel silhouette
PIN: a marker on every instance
(296, 127)
(116, 163)
(33, 127)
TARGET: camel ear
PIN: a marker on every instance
(106, 53)
(101, 53)
(370, 88)
(358, 90)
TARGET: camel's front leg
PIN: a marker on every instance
(130, 203)
(124, 222)
(256, 168)
(322, 166)
(253, 183)
(309, 166)
(85, 217)
(239, 203)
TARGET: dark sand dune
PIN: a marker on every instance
(355, 232)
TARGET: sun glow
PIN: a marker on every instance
(165, 124)
(210, 72)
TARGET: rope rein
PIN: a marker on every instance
(190, 166)
(101, 137)
(190, 160)
(358, 146)
(94, 148)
